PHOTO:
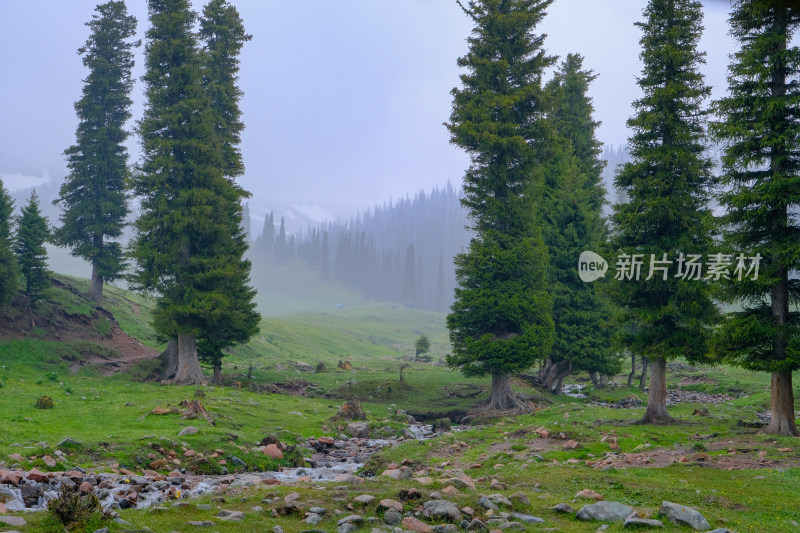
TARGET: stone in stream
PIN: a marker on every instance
(605, 512)
(681, 515)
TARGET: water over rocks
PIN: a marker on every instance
(331, 460)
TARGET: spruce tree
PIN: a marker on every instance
(92, 196)
(189, 241)
(759, 125)
(32, 233)
(9, 269)
(325, 257)
(667, 182)
(223, 36)
(234, 320)
(500, 322)
(574, 197)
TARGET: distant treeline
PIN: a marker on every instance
(401, 251)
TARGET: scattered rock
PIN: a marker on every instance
(441, 509)
(347, 527)
(313, 519)
(589, 493)
(499, 499)
(202, 523)
(49, 461)
(682, 515)
(233, 516)
(571, 445)
(520, 498)
(512, 526)
(273, 451)
(636, 521)
(477, 525)
(605, 512)
(414, 524)
(528, 519)
(391, 505)
(358, 429)
(564, 508)
(392, 517)
(486, 503)
(364, 499)
(13, 521)
(188, 430)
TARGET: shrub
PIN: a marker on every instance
(77, 511)
(45, 402)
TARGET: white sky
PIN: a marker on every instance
(344, 100)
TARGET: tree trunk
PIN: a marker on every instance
(598, 380)
(554, 375)
(95, 293)
(169, 360)
(217, 379)
(189, 371)
(503, 397)
(782, 406)
(656, 412)
(643, 378)
(633, 369)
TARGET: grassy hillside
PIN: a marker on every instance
(714, 459)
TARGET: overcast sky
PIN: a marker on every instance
(344, 99)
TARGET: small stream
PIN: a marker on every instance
(31, 491)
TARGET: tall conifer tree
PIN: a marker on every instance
(574, 199)
(33, 232)
(760, 127)
(235, 320)
(9, 269)
(189, 241)
(93, 195)
(500, 323)
(667, 183)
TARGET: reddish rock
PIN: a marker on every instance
(126, 472)
(155, 465)
(304, 479)
(271, 482)
(327, 441)
(85, 487)
(190, 453)
(391, 505)
(16, 457)
(2, 509)
(272, 450)
(49, 461)
(414, 524)
(409, 462)
(36, 475)
(589, 493)
(571, 445)
(10, 478)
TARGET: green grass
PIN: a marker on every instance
(111, 418)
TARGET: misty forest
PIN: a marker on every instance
(570, 336)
